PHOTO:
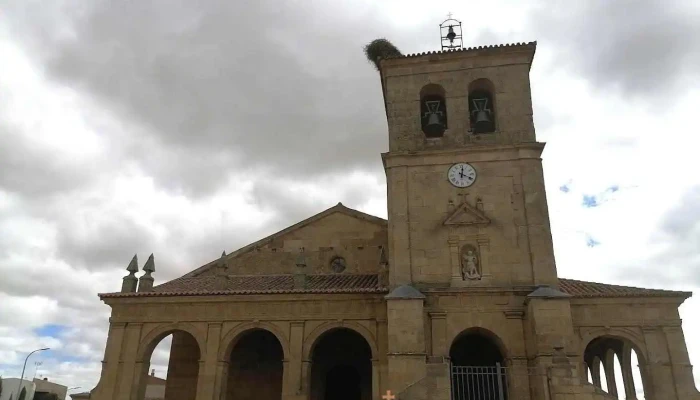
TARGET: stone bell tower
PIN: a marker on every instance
(466, 195)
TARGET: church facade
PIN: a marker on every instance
(454, 296)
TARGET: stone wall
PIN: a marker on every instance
(508, 72)
(336, 235)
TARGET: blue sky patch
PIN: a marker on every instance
(51, 330)
(590, 242)
(590, 201)
(564, 188)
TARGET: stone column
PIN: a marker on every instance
(626, 367)
(681, 368)
(207, 388)
(110, 363)
(305, 379)
(132, 370)
(438, 329)
(658, 367)
(405, 320)
(376, 395)
(595, 372)
(292, 387)
(548, 324)
(610, 372)
(221, 381)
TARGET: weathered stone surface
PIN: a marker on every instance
(405, 342)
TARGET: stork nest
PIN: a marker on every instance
(380, 48)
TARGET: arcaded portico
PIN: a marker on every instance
(455, 296)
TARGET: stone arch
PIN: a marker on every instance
(603, 347)
(341, 362)
(152, 338)
(312, 339)
(489, 334)
(624, 334)
(228, 342)
(183, 364)
(482, 101)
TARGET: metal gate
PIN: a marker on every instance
(479, 383)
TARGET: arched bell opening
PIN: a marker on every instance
(433, 110)
(616, 367)
(482, 109)
(341, 367)
(477, 358)
(255, 367)
(170, 367)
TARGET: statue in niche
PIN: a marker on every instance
(470, 264)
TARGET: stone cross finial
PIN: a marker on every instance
(146, 280)
(221, 268)
(129, 282)
(301, 259)
(221, 265)
(383, 276)
(300, 273)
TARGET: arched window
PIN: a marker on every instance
(22, 394)
(482, 111)
(433, 110)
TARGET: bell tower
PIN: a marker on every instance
(466, 195)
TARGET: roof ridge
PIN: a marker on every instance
(465, 49)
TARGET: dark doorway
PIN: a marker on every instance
(478, 370)
(343, 383)
(256, 368)
(341, 367)
(475, 349)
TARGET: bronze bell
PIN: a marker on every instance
(434, 120)
(451, 34)
(435, 126)
(482, 116)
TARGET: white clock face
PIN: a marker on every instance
(461, 175)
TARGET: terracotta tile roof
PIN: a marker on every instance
(260, 284)
(494, 46)
(337, 283)
(592, 289)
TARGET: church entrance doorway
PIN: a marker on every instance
(341, 367)
(255, 367)
(478, 371)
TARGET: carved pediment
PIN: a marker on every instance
(465, 214)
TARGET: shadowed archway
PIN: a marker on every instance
(341, 367)
(255, 367)
(478, 366)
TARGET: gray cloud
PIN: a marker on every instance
(678, 262)
(642, 48)
(220, 85)
(34, 172)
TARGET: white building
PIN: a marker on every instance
(12, 390)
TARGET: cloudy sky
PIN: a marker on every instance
(185, 129)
